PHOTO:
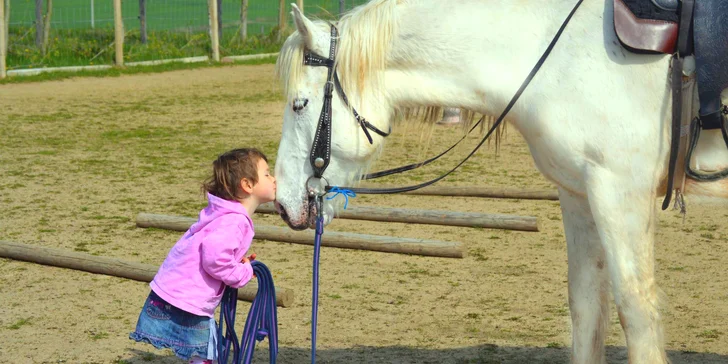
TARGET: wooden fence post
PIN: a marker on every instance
(118, 33)
(3, 40)
(143, 21)
(47, 27)
(300, 5)
(214, 39)
(244, 20)
(281, 18)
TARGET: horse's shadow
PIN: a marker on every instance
(482, 354)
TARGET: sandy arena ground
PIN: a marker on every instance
(80, 158)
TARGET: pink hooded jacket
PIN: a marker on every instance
(206, 258)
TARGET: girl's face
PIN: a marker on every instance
(265, 189)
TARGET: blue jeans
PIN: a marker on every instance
(168, 327)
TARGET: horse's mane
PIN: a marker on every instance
(366, 34)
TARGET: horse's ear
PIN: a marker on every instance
(305, 27)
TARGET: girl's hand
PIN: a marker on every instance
(249, 259)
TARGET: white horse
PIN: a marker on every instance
(596, 119)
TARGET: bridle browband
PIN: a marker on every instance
(321, 148)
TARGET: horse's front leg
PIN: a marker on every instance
(624, 211)
(588, 281)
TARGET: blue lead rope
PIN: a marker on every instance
(316, 257)
(315, 284)
(262, 321)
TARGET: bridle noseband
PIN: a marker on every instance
(321, 148)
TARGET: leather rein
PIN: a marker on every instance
(320, 154)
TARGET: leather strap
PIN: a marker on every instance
(321, 147)
(363, 122)
(683, 44)
(676, 86)
(412, 166)
(686, 23)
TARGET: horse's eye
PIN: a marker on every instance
(299, 104)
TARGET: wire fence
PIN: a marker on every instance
(81, 32)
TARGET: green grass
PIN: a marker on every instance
(86, 47)
(20, 323)
(175, 29)
(98, 336)
(710, 334)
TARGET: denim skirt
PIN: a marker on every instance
(168, 327)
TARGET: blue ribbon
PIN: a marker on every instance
(341, 191)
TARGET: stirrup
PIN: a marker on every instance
(696, 126)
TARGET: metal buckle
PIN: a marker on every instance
(329, 89)
(316, 187)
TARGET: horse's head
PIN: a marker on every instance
(351, 150)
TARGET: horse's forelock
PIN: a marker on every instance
(366, 35)
(289, 65)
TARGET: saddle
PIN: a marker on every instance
(683, 28)
(647, 26)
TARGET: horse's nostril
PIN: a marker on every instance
(281, 210)
(299, 104)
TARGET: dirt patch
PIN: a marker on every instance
(80, 158)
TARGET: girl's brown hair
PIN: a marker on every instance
(229, 169)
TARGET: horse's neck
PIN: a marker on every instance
(469, 54)
(476, 54)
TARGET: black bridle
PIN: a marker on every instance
(321, 148)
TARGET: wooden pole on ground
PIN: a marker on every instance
(112, 267)
(431, 217)
(143, 21)
(487, 192)
(386, 244)
(118, 33)
(214, 39)
(3, 40)
(299, 3)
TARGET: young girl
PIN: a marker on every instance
(178, 313)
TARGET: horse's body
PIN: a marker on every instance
(596, 119)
